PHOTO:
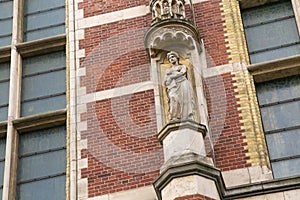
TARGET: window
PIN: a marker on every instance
(4, 88)
(279, 102)
(42, 164)
(6, 7)
(43, 83)
(271, 31)
(39, 20)
(2, 159)
(33, 92)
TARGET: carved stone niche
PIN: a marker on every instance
(167, 9)
(182, 37)
(170, 35)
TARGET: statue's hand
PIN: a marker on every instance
(167, 82)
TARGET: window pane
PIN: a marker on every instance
(4, 88)
(48, 189)
(1, 172)
(42, 140)
(279, 102)
(286, 168)
(2, 156)
(263, 37)
(275, 54)
(44, 63)
(278, 90)
(6, 9)
(38, 5)
(3, 113)
(271, 31)
(48, 32)
(43, 18)
(4, 41)
(44, 83)
(281, 116)
(43, 105)
(2, 148)
(42, 164)
(6, 26)
(5, 22)
(38, 20)
(268, 12)
(4, 71)
(284, 144)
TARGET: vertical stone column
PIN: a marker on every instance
(187, 172)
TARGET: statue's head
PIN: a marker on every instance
(172, 54)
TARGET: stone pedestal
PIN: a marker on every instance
(189, 176)
(187, 172)
(183, 137)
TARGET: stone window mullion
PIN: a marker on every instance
(296, 7)
(9, 184)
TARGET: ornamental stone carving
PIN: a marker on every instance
(179, 90)
(167, 9)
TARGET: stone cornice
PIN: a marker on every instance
(40, 121)
(41, 46)
(187, 165)
(265, 187)
(177, 125)
(275, 69)
(3, 128)
(192, 164)
(5, 53)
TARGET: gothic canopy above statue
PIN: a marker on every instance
(167, 9)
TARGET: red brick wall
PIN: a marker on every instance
(194, 197)
(224, 123)
(115, 55)
(97, 7)
(209, 21)
(123, 152)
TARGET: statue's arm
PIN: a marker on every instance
(168, 77)
(179, 73)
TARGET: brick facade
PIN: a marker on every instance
(210, 23)
(115, 55)
(98, 7)
(224, 121)
(123, 152)
(119, 149)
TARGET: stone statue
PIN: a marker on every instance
(179, 90)
(166, 10)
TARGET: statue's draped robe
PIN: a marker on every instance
(179, 93)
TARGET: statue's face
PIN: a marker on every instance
(172, 59)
